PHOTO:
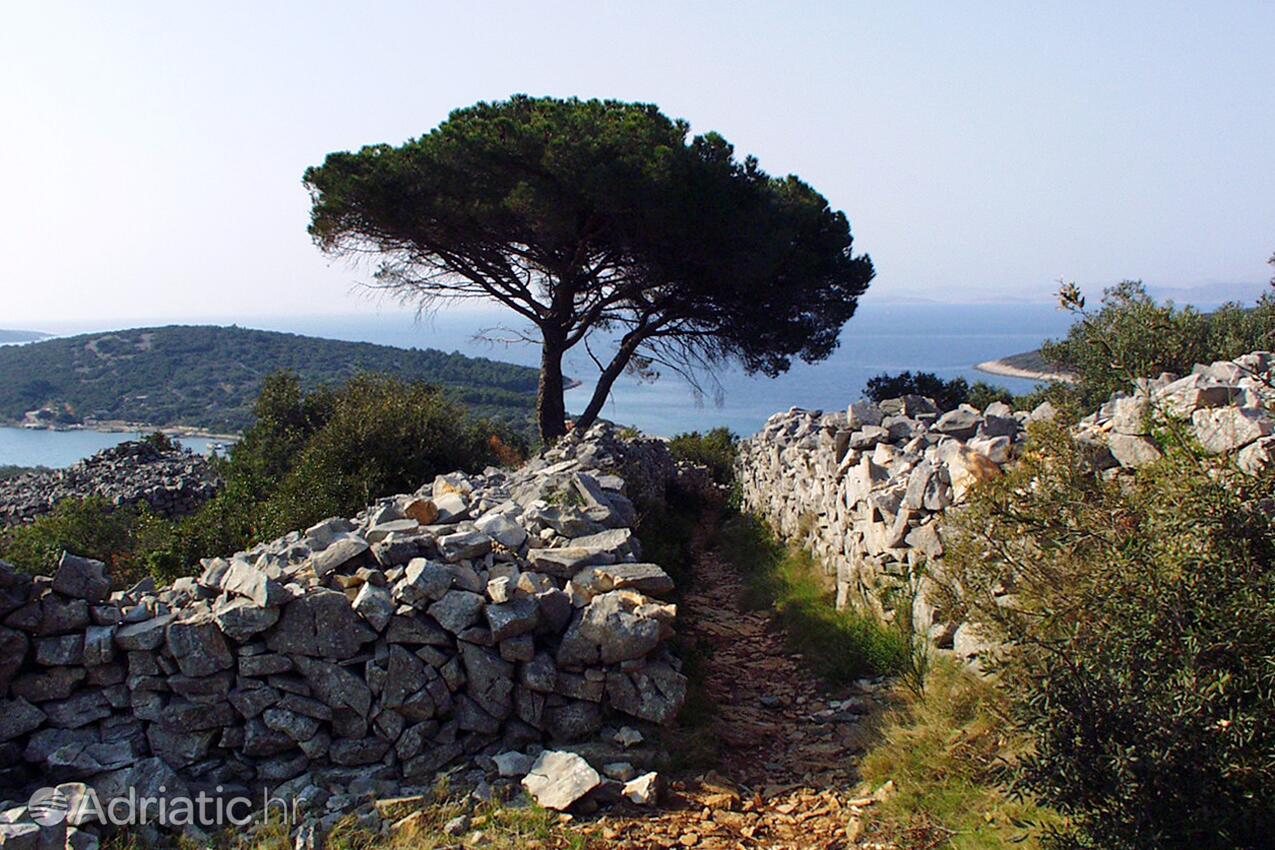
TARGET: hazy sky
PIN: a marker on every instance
(153, 151)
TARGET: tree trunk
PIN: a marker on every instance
(605, 381)
(551, 411)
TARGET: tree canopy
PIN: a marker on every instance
(587, 216)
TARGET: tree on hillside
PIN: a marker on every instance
(587, 216)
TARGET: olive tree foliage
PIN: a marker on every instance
(599, 216)
(1138, 623)
(1132, 335)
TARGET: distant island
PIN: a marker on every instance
(11, 336)
(207, 377)
(1030, 365)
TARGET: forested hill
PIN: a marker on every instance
(208, 377)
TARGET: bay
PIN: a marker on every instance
(947, 339)
(39, 447)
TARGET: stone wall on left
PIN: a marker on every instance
(483, 614)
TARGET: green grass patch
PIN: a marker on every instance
(667, 532)
(948, 754)
(838, 645)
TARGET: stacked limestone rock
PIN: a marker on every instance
(1224, 403)
(865, 490)
(483, 614)
(171, 483)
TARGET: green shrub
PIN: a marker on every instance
(946, 394)
(1133, 336)
(839, 645)
(1140, 625)
(327, 453)
(91, 527)
(947, 751)
(715, 449)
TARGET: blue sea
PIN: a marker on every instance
(947, 339)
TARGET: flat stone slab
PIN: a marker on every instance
(559, 779)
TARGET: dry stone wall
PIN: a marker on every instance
(865, 490)
(172, 483)
(483, 614)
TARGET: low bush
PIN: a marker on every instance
(90, 527)
(1133, 336)
(947, 751)
(946, 394)
(1139, 621)
(309, 456)
(716, 449)
(840, 645)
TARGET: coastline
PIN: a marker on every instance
(121, 427)
(1008, 370)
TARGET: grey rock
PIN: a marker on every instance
(99, 645)
(296, 726)
(961, 423)
(53, 683)
(464, 545)
(567, 561)
(1225, 429)
(198, 645)
(18, 717)
(147, 634)
(655, 693)
(349, 753)
(489, 680)
(502, 529)
(558, 779)
(13, 651)
(457, 610)
(59, 651)
(510, 619)
(242, 618)
(321, 623)
(1131, 451)
(336, 686)
(613, 622)
(644, 578)
(423, 582)
(374, 605)
(81, 578)
(79, 710)
(243, 579)
(19, 836)
(59, 615)
(343, 549)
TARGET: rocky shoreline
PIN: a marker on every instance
(122, 427)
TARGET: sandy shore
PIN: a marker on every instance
(1000, 367)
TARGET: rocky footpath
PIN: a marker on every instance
(171, 482)
(504, 620)
(866, 489)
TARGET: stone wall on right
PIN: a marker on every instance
(866, 490)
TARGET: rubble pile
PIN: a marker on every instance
(170, 482)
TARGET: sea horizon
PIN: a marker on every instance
(883, 338)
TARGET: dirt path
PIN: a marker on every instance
(788, 742)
